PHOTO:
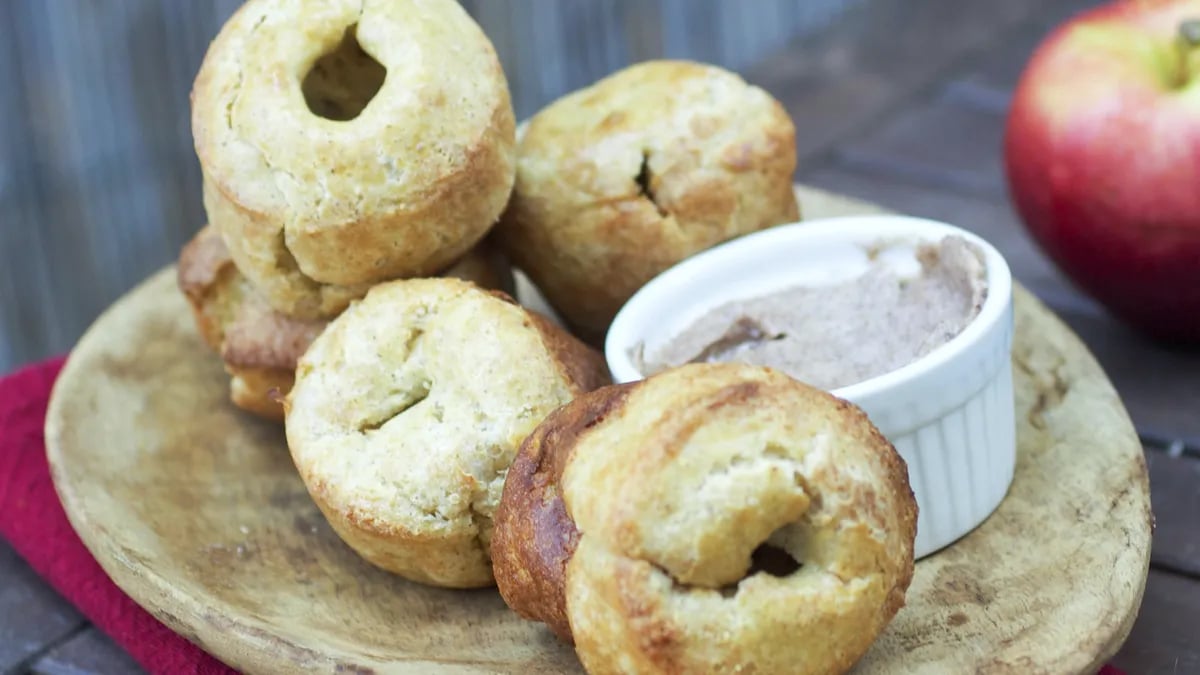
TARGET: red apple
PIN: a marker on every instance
(1102, 154)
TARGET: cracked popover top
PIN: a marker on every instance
(408, 409)
(347, 142)
(260, 346)
(712, 518)
(622, 179)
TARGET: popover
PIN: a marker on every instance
(408, 409)
(260, 346)
(711, 518)
(624, 178)
(347, 142)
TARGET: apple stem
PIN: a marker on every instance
(1189, 56)
(1189, 32)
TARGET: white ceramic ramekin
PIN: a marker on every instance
(949, 414)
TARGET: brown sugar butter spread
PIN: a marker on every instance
(837, 335)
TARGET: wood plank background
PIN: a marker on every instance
(99, 184)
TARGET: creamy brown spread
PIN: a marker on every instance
(837, 335)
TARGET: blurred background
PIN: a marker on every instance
(99, 184)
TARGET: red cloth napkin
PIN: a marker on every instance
(33, 521)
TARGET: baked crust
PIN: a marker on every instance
(260, 346)
(534, 537)
(259, 390)
(622, 179)
(406, 414)
(668, 489)
(315, 210)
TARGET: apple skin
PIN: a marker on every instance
(1102, 158)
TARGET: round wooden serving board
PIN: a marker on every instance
(196, 511)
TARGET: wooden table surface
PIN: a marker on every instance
(905, 108)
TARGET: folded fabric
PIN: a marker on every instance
(34, 523)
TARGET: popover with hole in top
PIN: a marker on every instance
(260, 346)
(711, 518)
(408, 409)
(347, 142)
(624, 178)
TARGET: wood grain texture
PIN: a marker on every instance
(843, 83)
(32, 615)
(89, 652)
(1164, 641)
(1176, 503)
(1160, 385)
(939, 143)
(1000, 68)
(196, 511)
